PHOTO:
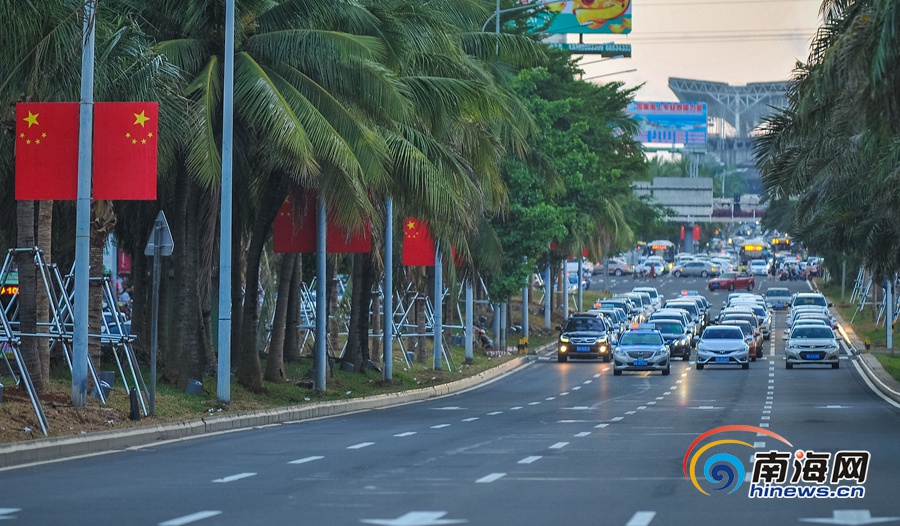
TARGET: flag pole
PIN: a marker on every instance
(223, 385)
(83, 213)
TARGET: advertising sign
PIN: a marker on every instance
(608, 50)
(590, 16)
(670, 122)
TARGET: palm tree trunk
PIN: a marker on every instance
(292, 348)
(191, 353)
(367, 275)
(352, 354)
(103, 221)
(249, 370)
(275, 361)
(28, 292)
(172, 353)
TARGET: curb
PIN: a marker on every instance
(45, 449)
(867, 364)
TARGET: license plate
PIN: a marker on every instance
(714, 285)
(583, 348)
(813, 356)
(721, 359)
(639, 363)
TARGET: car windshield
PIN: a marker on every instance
(584, 324)
(744, 327)
(751, 319)
(669, 328)
(811, 300)
(728, 275)
(812, 332)
(778, 293)
(723, 333)
(640, 338)
(690, 307)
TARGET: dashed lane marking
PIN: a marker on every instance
(487, 479)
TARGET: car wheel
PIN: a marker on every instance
(745, 366)
(788, 365)
(699, 366)
(753, 358)
(667, 370)
(607, 358)
(836, 365)
(759, 353)
(731, 286)
(704, 274)
(677, 273)
(749, 287)
(617, 372)
(618, 272)
(686, 357)
(562, 358)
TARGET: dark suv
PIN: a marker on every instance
(584, 336)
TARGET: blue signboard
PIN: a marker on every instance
(670, 122)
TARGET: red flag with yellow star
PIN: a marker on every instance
(125, 139)
(46, 150)
(418, 243)
(294, 231)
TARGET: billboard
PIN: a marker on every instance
(590, 16)
(670, 122)
(608, 50)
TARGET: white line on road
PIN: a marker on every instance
(232, 478)
(471, 419)
(577, 387)
(566, 393)
(678, 382)
(759, 445)
(311, 459)
(529, 460)
(596, 376)
(495, 413)
(772, 380)
(683, 374)
(582, 434)
(559, 445)
(515, 408)
(440, 426)
(642, 407)
(490, 478)
(765, 417)
(533, 403)
(651, 402)
(660, 398)
(767, 412)
(641, 518)
(550, 398)
(771, 374)
(361, 445)
(193, 517)
(587, 382)
(667, 393)
(616, 418)
(630, 412)
(600, 426)
(763, 424)
(674, 387)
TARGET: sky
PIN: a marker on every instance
(732, 41)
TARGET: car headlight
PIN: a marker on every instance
(564, 339)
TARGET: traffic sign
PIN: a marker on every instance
(165, 241)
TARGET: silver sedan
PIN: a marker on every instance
(810, 344)
(723, 345)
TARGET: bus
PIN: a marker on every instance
(661, 247)
(753, 249)
(781, 243)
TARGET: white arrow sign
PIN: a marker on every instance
(8, 511)
(416, 518)
(852, 518)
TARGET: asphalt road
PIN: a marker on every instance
(553, 443)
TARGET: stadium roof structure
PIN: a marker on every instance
(741, 106)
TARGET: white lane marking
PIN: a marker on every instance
(193, 517)
(582, 434)
(763, 424)
(600, 426)
(759, 445)
(767, 412)
(449, 408)
(837, 407)
(748, 477)
(760, 434)
(667, 393)
(406, 434)
(550, 398)
(529, 460)
(683, 374)
(772, 380)
(559, 445)
(577, 387)
(769, 398)
(765, 417)
(361, 445)
(566, 393)
(652, 402)
(495, 413)
(309, 459)
(641, 518)
(232, 478)
(660, 398)
(630, 412)
(596, 376)
(616, 418)
(678, 382)
(578, 408)
(771, 374)
(490, 478)
(8, 511)
(516, 408)
(587, 382)
(642, 407)
(471, 419)
(440, 426)
(674, 387)
(533, 403)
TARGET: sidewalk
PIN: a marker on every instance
(45, 449)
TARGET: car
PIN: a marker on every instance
(810, 344)
(754, 322)
(586, 266)
(641, 349)
(692, 308)
(732, 281)
(680, 315)
(619, 303)
(758, 267)
(659, 265)
(809, 298)
(616, 321)
(616, 267)
(762, 314)
(778, 298)
(655, 298)
(644, 307)
(723, 345)
(806, 309)
(703, 269)
(583, 336)
(676, 336)
(749, 336)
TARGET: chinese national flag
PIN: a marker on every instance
(46, 150)
(125, 135)
(418, 244)
(696, 233)
(299, 235)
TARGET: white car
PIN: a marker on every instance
(809, 344)
(723, 345)
(759, 267)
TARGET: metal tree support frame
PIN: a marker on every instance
(60, 329)
(863, 297)
(858, 284)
